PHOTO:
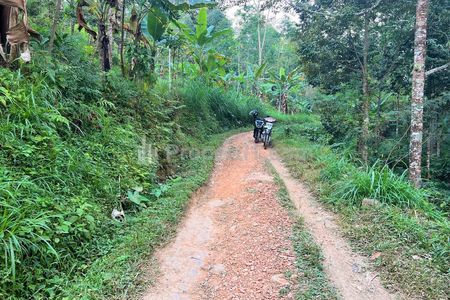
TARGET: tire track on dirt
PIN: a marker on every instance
(234, 240)
(348, 271)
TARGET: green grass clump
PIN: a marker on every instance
(377, 183)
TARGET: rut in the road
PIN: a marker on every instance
(234, 241)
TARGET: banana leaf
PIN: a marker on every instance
(155, 24)
(202, 23)
(260, 71)
(82, 24)
(17, 34)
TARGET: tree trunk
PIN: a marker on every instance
(109, 32)
(72, 26)
(258, 29)
(122, 39)
(438, 144)
(365, 87)
(418, 87)
(153, 55)
(58, 8)
(284, 101)
(261, 41)
(284, 107)
(429, 155)
(4, 26)
(397, 121)
(170, 68)
(263, 45)
(103, 47)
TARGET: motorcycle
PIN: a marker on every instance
(258, 130)
(267, 131)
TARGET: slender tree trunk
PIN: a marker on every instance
(58, 8)
(284, 101)
(429, 154)
(365, 87)
(258, 28)
(103, 47)
(170, 68)
(182, 64)
(109, 32)
(72, 26)
(378, 130)
(438, 144)
(261, 42)
(379, 106)
(397, 121)
(153, 58)
(263, 45)
(239, 59)
(122, 39)
(280, 100)
(418, 87)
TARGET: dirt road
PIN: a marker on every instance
(234, 241)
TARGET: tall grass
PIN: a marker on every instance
(379, 183)
(23, 228)
(209, 109)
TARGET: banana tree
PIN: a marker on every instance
(152, 17)
(253, 75)
(102, 10)
(282, 83)
(154, 27)
(163, 13)
(208, 60)
(15, 32)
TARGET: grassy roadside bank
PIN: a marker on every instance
(117, 274)
(310, 281)
(71, 155)
(407, 243)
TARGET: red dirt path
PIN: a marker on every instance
(234, 241)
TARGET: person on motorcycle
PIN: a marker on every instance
(258, 124)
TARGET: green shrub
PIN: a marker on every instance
(304, 125)
(381, 184)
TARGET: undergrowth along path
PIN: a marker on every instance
(348, 271)
(235, 241)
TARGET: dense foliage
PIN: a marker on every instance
(74, 145)
(337, 68)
